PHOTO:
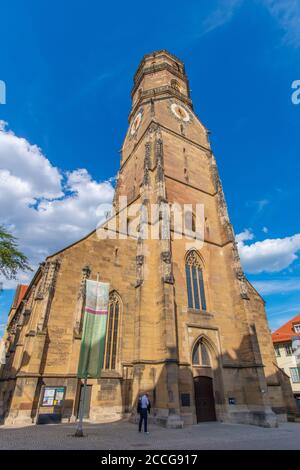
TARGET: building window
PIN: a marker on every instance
(295, 374)
(194, 282)
(297, 328)
(288, 350)
(114, 310)
(277, 351)
(200, 355)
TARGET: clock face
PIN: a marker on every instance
(136, 123)
(180, 112)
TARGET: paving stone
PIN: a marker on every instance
(123, 435)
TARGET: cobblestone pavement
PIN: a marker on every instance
(123, 435)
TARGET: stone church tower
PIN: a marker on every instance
(184, 323)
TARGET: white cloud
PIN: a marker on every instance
(259, 205)
(287, 14)
(277, 286)
(244, 236)
(45, 208)
(221, 15)
(270, 255)
(24, 167)
(265, 229)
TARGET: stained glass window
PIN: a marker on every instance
(112, 331)
(194, 282)
(200, 354)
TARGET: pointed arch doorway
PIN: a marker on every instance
(203, 384)
(204, 399)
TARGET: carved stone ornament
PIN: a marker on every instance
(140, 260)
(241, 280)
(166, 256)
(239, 274)
(49, 282)
(41, 290)
(86, 272)
(146, 179)
(169, 279)
(159, 152)
(162, 200)
(153, 128)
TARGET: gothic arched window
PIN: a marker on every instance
(194, 282)
(200, 355)
(114, 310)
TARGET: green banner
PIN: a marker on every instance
(94, 329)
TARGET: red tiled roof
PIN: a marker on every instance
(19, 295)
(286, 331)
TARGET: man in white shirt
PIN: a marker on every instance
(143, 408)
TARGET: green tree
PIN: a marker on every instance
(12, 259)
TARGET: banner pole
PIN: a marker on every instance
(79, 430)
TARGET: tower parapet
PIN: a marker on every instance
(160, 74)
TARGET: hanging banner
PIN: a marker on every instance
(94, 329)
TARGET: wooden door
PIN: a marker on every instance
(204, 399)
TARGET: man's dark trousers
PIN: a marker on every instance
(143, 417)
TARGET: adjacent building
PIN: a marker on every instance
(7, 338)
(184, 323)
(286, 354)
(6, 342)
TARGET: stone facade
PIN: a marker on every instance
(166, 157)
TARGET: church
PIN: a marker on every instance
(184, 324)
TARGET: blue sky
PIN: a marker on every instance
(68, 69)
